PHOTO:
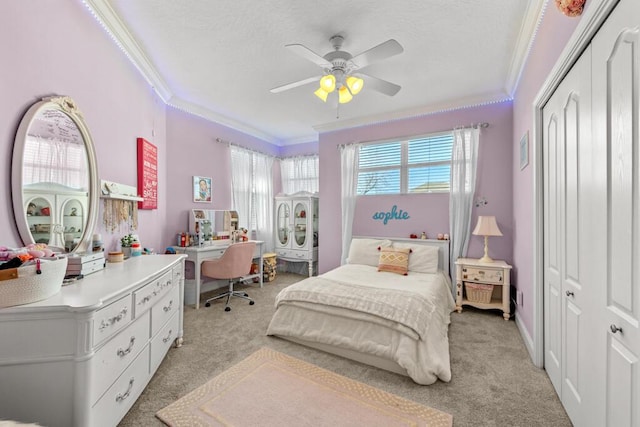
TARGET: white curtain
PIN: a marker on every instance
(51, 160)
(300, 174)
(263, 190)
(252, 189)
(464, 161)
(242, 184)
(349, 158)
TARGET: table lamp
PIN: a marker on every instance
(486, 227)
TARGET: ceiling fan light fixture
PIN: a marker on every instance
(355, 84)
(321, 93)
(344, 95)
(328, 83)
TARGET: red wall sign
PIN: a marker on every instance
(147, 174)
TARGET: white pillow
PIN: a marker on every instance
(422, 259)
(365, 251)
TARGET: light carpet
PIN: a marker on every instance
(269, 388)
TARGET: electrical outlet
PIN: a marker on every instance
(519, 297)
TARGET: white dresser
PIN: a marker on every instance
(83, 356)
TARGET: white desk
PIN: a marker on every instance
(199, 254)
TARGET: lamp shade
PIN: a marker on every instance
(343, 95)
(355, 84)
(321, 93)
(487, 226)
(328, 83)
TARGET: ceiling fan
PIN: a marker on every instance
(342, 70)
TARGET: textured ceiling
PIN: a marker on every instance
(219, 59)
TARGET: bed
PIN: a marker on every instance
(385, 319)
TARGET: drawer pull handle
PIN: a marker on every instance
(168, 337)
(569, 293)
(126, 351)
(120, 397)
(615, 329)
(109, 322)
(167, 307)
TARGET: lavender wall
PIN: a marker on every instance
(553, 33)
(57, 48)
(428, 212)
(299, 149)
(193, 150)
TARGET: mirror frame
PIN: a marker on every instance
(67, 106)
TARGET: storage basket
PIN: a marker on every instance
(479, 293)
(29, 286)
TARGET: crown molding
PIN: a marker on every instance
(526, 37)
(105, 15)
(460, 104)
(197, 110)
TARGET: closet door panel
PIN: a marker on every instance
(616, 68)
(577, 236)
(552, 275)
(622, 367)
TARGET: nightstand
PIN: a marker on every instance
(483, 285)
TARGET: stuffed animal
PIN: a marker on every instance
(31, 251)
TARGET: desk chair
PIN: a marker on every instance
(234, 263)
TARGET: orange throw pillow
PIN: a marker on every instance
(394, 260)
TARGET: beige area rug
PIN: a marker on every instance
(269, 388)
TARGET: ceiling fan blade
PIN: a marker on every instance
(380, 85)
(307, 53)
(295, 84)
(377, 53)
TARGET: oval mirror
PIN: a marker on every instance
(54, 177)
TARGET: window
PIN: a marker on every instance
(299, 174)
(419, 165)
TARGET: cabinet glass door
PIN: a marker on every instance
(39, 219)
(315, 224)
(72, 223)
(300, 224)
(283, 224)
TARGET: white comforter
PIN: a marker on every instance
(401, 318)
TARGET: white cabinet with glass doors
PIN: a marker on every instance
(297, 228)
(56, 214)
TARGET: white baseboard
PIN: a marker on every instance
(528, 341)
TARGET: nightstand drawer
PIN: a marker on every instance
(484, 275)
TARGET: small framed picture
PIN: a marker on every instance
(202, 189)
(524, 150)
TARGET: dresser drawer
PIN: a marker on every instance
(113, 358)
(166, 337)
(293, 254)
(484, 275)
(119, 398)
(145, 297)
(111, 319)
(164, 309)
(178, 273)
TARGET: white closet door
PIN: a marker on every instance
(552, 155)
(616, 93)
(568, 240)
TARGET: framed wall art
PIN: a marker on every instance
(524, 150)
(202, 189)
(147, 174)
